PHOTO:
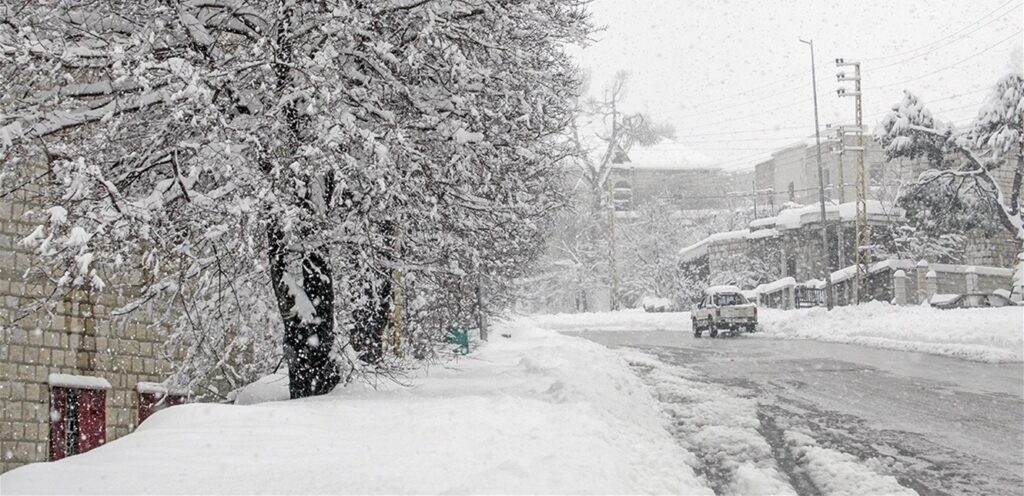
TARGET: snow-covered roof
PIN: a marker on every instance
(666, 154)
(77, 381)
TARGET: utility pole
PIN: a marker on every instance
(753, 189)
(613, 299)
(863, 233)
(840, 150)
(821, 183)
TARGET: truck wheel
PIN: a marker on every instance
(714, 331)
(696, 328)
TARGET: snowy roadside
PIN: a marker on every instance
(534, 413)
(624, 320)
(989, 335)
(994, 335)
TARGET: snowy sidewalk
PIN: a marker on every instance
(535, 413)
(983, 334)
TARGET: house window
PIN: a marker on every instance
(791, 266)
(154, 397)
(78, 414)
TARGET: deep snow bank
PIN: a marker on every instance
(989, 334)
(623, 320)
(535, 413)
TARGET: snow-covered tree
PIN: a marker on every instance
(258, 173)
(649, 251)
(961, 187)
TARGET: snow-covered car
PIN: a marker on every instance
(656, 304)
(970, 300)
(724, 308)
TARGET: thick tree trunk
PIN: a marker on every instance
(371, 318)
(372, 312)
(307, 343)
(308, 339)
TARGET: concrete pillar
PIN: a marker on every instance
(971, 279)
(920, 273)
(899, 287)
(931, 284)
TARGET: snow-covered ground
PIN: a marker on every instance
(739, 454)
(624, 320)
(983, 334)
(988, 334)
(534, 413)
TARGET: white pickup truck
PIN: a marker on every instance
(723, 308)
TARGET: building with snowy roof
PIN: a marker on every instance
(669, 170)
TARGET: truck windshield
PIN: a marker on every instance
(726, 299)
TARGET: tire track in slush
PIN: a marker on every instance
(720, 469)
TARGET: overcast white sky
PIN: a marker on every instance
(734, 80)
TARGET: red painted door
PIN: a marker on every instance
(92, 419)
(78, 420)
(150, 403)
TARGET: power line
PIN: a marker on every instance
(828, 78)
(933, 43)
(950, 66)
(770, 129)
(777, 138)
(741, 117)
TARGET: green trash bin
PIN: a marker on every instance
(458, 335)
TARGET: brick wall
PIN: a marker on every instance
(78, 338)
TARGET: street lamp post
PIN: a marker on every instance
(821, 183)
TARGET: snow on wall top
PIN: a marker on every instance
(77, 381)
(792, 218)
(158, 389)
(763, 233)
(700, 248)
(666, 155)
(763, 222)
(785, 282)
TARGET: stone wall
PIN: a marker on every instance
(78, 338)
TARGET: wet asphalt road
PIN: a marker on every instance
(946, 426)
